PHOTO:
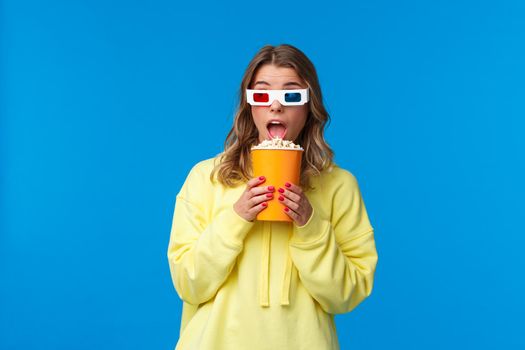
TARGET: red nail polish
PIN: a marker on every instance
(286, 209)
(271, 188)
(261, 178)
(264, 204)
(281, 190)
(269, 195)
(287, 184)
(281, 198)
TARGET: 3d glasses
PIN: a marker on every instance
(285, 97)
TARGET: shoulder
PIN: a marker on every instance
(337, 178)
(336, 195)
(198, 177)
(204, 167)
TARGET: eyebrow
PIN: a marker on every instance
(286, 84)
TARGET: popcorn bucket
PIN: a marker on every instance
(278, 166)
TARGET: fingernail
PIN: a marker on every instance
(287, 184)
(281, 198)
(286, 209)
(261, 178)
(269, 195)
(281, 190)
(264, 204)
(271, 188)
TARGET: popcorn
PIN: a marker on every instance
(277, 143)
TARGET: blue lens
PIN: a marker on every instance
(292, 97)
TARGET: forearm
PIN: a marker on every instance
(338, 275)
(200, 262)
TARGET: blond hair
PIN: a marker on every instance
(234, 164)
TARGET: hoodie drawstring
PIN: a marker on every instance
(264, 290)
(265, 266)
(285, 293)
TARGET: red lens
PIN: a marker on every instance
(261, 97)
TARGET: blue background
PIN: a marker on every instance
(103, 116)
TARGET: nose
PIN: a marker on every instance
(276, 106)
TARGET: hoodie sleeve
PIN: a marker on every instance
(336, 259)
(202, 253)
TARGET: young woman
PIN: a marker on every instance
(249, 284)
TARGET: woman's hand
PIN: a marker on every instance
(253, 199)
(297, 206)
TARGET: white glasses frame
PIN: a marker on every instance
(278, 95)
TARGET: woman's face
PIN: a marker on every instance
(270, 77)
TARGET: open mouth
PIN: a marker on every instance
(276, 129)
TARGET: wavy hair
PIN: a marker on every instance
(234, 164)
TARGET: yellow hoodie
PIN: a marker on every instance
(268, 285)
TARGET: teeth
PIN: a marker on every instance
(275, 123)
